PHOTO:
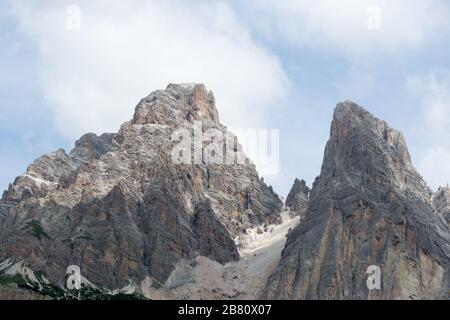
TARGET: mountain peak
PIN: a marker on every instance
(123, 200)
(368, 206)
(177, 104)
(349, 111)
(356, 133)
(349, 106)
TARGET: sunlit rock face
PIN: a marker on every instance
(121, 209)
(369, 206)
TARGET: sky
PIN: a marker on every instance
(71, 67)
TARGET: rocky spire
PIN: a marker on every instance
(297, 199)
(368, 207)
(441, 202)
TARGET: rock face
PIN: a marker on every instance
(297, 199)
(369, 206)
(46, 172)
(213, 239)
(441, 202)
(122, 209)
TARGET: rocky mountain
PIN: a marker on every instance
(441, 202)
(123, 207)
(368, 207)
(170, 208)
(297, 199)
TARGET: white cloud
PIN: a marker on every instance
(350, 26)
(434, 92)
(435, 167)
(92, 77)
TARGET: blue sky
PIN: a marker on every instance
(271, 64)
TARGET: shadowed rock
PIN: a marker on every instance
(213, 239)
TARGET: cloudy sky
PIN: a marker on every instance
(71, 67)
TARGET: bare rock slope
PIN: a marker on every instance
(369, 206)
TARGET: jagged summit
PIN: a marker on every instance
(48, 172)
(177, 104)
(352, 107)
(372, 139)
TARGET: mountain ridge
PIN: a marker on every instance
(136, 222)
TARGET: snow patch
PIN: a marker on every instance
(40, 181)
